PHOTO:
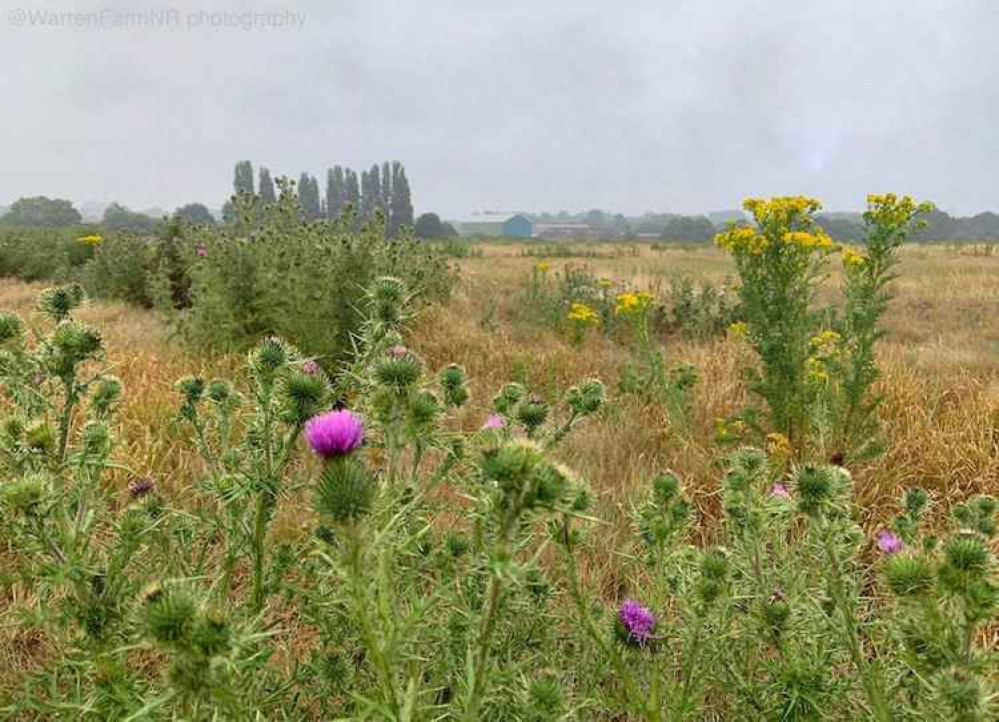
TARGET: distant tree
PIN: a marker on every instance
(336, 192)
(266, 191)
(430, 225)
(243, 177)
(119, 218)
(693, 229)
(367, 195)
(41, 212)
(377, 199)
(401, 212)
(841, 229)
(308, 197)
(195, 214)
(353, 190)
(386, 187)
(596, 218)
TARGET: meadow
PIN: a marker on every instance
(514, 540)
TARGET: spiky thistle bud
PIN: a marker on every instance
(966, 553)
(398, 372)
(908, 574)
(192, 388)
(424, 408)
(211, 635)
(815, 489)
(587, 398)
(58, 303)
(107, 393)
(302, 396)
(508, 397)
(532, 413)
(169, 614)
(454, 385)
(345, 491)
(23, 496)
(11, 327)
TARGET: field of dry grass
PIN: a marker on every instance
(940, 389)
(940, 383)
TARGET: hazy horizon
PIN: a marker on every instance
(654, 106)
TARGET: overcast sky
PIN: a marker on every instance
(667, 105)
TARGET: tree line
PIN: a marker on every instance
(381, 189)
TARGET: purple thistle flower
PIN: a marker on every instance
(398, 351)
(889, 543)
(336, 433)
(310, 367)
(202, 251)
(638, 621)
(780, 491)
(141, 486)
(494, 421)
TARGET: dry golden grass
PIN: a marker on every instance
(940, 388)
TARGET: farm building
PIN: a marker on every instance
(494, 225)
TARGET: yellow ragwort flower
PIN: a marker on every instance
(542, 267)
(817, 370)
(852, 259)
(582, 314)
(92, 240)
(739, 329)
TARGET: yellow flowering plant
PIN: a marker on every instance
(582, 317)
(780, 260)
(867, 274)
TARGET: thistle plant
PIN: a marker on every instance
(247, 474)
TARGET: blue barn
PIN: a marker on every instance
(518, 226)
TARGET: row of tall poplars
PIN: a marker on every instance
(381, 189)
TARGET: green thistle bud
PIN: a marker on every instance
(963, 515)
(398, 372)
(59, 303)
(665, 488)
(908, 574)
(581, 500)
(546, 699)
(456, 544)
(714, 564)
(388, 290)
(345, 491)
(551, 481)
(23, 496)
(211, 634)
(302, 397)
(776, 611)
(962, 693)
(219, 391)
(11, 327)
(41, 438)
(96, 440)
(532, 413)
(424, 408)
(815, 488)
(192, 388)
(454, 384)
(510, 466)
(750, 461)
(72, 344)
(169, 614)
(587, 398)
(508, 397)
(13, 427)
(269, 357)
(106, 394)
(915, 502)
(966, 553)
